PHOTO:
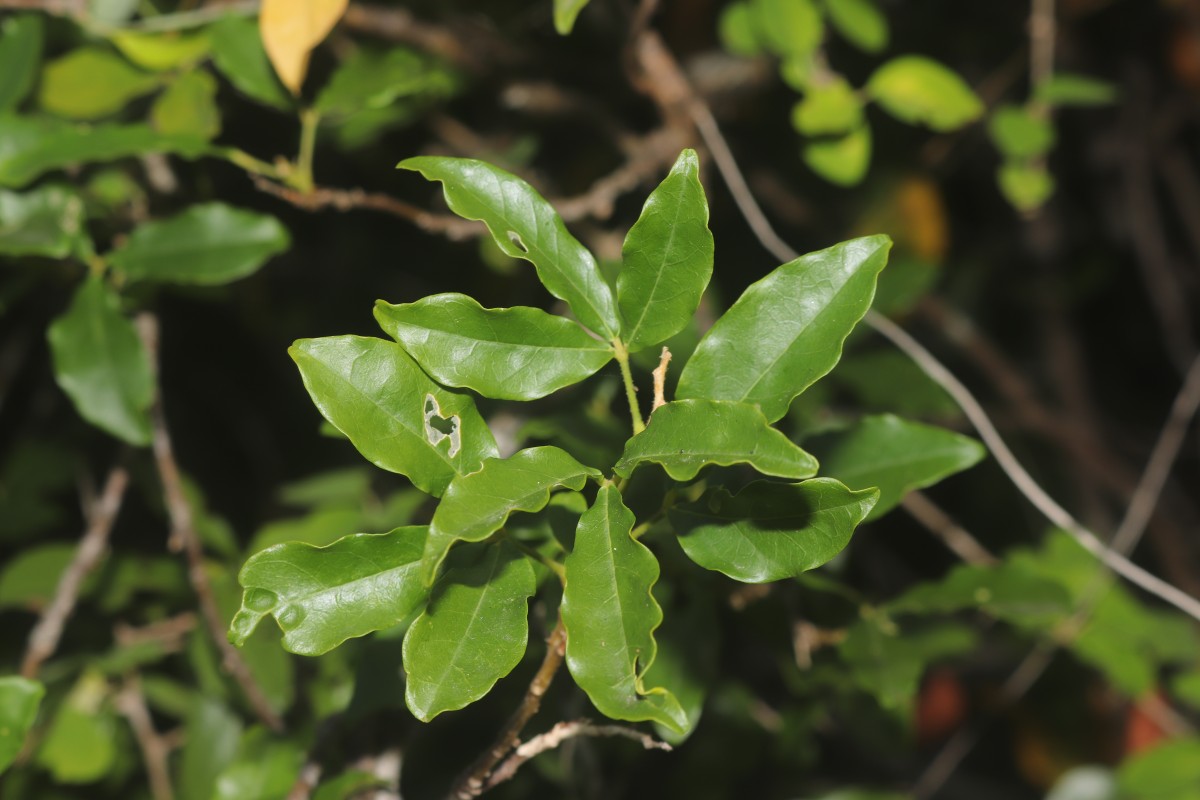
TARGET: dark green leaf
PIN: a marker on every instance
(689, 646)
(174, 50)
(895, 455)
(889, 665)
(610, 616)
(789, 28)
(1170, 771)
(477, 505)
(770, 531)
(1018, 133)
(100, 363)
(667, 258)
(188, 107)
(685, 436)
(265, 768)
(238, 53)
(322, 596)
(525, 226)
(506, 353)
(371, 81)
(842, 161)
(473, 632)
(830, 108)
(860, 22)
(888, 380)
(20, 57)
(208, 244)
(400, 420)
(46, 221)
(918, 90)
(1065, 89)
(565, 12)
(19, 701)
(1005, 591)
(786, 330)
(90, 83)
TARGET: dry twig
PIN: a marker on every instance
(155, 749)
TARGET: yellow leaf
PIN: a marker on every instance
(291, 29)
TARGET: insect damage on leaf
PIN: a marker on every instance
(439, 428)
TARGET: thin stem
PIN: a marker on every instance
(302, 178)
(622, 356)
(561, 733)
(247, 162)
(550, 564)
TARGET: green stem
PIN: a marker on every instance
(622, 356)
(247, 162)
(555, 567)
(302, 178)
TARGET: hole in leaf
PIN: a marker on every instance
(439, 428)
(515, 238)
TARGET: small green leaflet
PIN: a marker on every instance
(565, 12)
(860, 22)
(90, 83)
(19, 701)
(20, 56)
(843, 160)
(919, 90)
(46, 221)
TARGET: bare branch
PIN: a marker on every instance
(956, 538)
(155, 749)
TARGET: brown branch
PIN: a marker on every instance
(473, 781)
(660, 379)
(184, 536)
(131, 703)
(560, 733)
(956, 538)
(44, 638)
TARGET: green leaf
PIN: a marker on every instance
(811, 304)
(830, 108)
(46, 221)
(1065, 89)
(370, 80)
(1006, 591)
(100, 363)
(322, 596)
(1019, 133)
(889, 665)
(32, 146)
(265, 768)
(789, 28)
(20, 57)
(610, 616)
(29, 578)
(918, 90)
(400, 420)
(770, 531)
(895, 455)
(19, 701)
(685, 436)
(90, 83)
(525, 226)
(736, 28)
(843, 161)
(860, 22)
(188, 107)
(1170, 771)
(565, 12)
(478, 505)
(473, 632)
(352, 785)
(238, 54)
(81, 743)
(174, 50)
(207, 244)
(506, 353)
(1026, 186)
(667, 258)
(213, 733)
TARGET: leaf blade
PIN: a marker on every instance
(290, 30)
(20, 55)
(19, 702)
(919, 90)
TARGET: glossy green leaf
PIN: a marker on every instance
(1005, 591)
(1018, 133)
(90, 83)
(860, 22)
(238, 53)
(525, 226)
(100, 363)
(565, 12)
(80, 745)
(918, 90)
(737, 29)
(685, 436)
(889, 665)
(20, 57)
(1085, 783)
(172, 50)
(46, 221)
(213, 733)
(207, 244)
(473, 632)
(786, 330)
(610, 616)
(895, 455)
(1169, 771)
(770, 531)
(831, 108)
(370, 80)
(1066, 89)
(32, 146)
(842, 161)
(265, 768)
(1026, 186)
(667, 258)
(506, 353)
(400, 420)
(477, 505)
(322, 596)
(789, 28)
(188, 107)
(19, 701)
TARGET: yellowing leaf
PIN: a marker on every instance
(291, 29)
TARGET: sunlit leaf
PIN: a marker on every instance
(473, 632)
(860, 22)
(291, 29)
(20, 57)
(786, 330)
(322, 596)
(1018, 133)
(610, 616)
(46, 221)
(737, 30)
(400, 420)
(1026, 185)
(1170, 771)
(19, 701)
(238, 53)
(188, 107)
(163, 51)
(830, 108)
(843, 160)
(770, 531)
(667, 258)
(684, 436)
(918, 90)
(789, 28)
(506, 353)
(565, 12)
(525, 226)
(90, 83)
(100, 363)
